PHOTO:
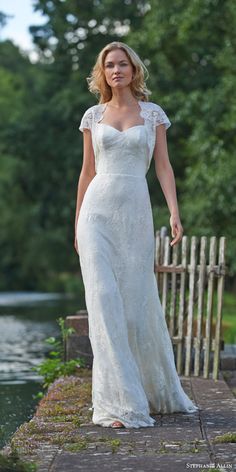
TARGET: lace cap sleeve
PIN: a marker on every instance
(86, 120)
(160, 116)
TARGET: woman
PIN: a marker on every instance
(133, 362)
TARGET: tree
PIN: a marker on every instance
(191, 49)
(45, 141)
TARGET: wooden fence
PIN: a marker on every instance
(190, 278)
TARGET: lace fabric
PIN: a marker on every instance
(133, 367)
(152, 114)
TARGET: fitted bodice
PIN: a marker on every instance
(121, 152)
(124, 152)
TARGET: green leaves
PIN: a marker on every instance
(13, 463)
(55, 365)
(189, 49)
(192, 71)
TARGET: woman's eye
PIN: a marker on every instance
(111, 65)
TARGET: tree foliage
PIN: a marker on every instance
(189, 50)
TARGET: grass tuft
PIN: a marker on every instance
(225, 438)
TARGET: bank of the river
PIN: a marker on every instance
(61, 435)
(65, 408)
(26, 320)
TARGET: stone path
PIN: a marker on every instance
(177, 442)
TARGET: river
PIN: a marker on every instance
(26, 320)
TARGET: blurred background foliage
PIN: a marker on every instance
(189, 50)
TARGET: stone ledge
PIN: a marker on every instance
(61, 434)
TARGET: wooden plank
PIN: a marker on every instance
(177, 340)
(192, 276)
(184, 262)
(173, 294)
(170, 268)
(163, 234)
(161, 241)
(201, 286)
(157, 246)
(165, 275)
(220, 289)
(212, 344)
(179, 269)
(210, 291)
(157, 257)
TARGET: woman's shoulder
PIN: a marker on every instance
(90, 116)
(156, 114)
(151, 106)
(93, 113)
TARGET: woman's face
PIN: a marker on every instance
(118, 69)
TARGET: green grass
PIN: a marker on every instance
(225, 438)
(229, 318)
(13, 463)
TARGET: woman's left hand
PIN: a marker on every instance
(176, 229)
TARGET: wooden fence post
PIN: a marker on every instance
(182, 281)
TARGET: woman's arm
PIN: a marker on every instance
(166, 178)
(86, 175)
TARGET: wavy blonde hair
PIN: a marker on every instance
(98, 84)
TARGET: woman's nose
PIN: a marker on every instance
(117, 68)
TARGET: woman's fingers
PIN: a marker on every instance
(177, 233)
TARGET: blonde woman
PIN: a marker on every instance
(134, 372)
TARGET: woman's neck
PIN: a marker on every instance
(122, 98)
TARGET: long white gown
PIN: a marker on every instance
(133, 373)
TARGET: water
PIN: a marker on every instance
(26, 320)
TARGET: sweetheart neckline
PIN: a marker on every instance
(118, 130)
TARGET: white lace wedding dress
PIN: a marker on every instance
(133, 372)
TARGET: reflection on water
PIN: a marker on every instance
(17, 405)
(21, 298)
(22, 347)
(26, 320)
